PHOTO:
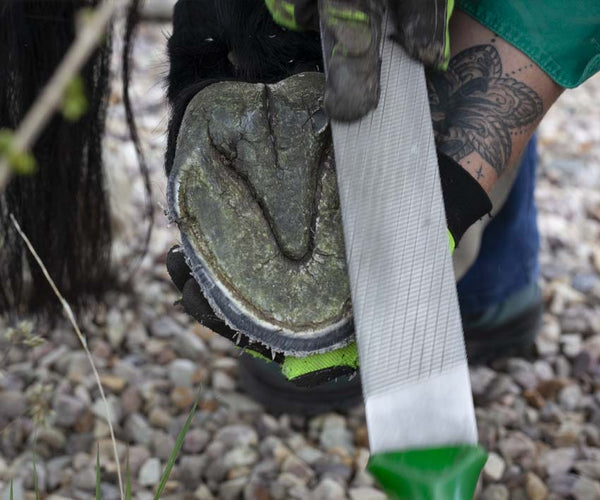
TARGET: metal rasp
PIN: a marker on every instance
(416, 386)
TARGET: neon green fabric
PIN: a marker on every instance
(451, 242)
(563, 38)
(347, 14)
(295, 367)
(257, 355)
(283, 13)
(449, 11)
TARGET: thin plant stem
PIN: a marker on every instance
(51, 96)
(82, 340)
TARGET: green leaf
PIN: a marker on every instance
(35, 477)
(98, 493)
(6, 139)
(176, 450)
(23, 162)
(75, 103)
(127, 479)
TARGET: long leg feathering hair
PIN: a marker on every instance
(63, 207)
(216, 40)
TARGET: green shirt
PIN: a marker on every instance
(560, 36)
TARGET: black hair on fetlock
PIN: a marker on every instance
(63, 207)
(216, 40)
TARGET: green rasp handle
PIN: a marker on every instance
(429, 474)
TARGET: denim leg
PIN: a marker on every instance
(508, 259)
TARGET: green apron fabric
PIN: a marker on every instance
(561, 36)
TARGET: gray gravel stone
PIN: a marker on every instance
(257, 489)
(114, 407)
(366, 494)
(131, 400)
(266, 424)
(571, 344)
(517, 447)
(586, 489)
(191, 468)
(137, 457)
(55, 468)
(165, 327)
(181, 372)
(588, 468)
(231, 490)
(298, 468)
(543, 369)
(138, 429)
(12, 404)
(195, 441)
(222, 382)
(523, 372)
(79, 366)
(52, 436)
(570, 397)
(150, 472)
(481, 377)
(240, 456)
(331, 467)
(309, 454)
(85, 479)
(158, 9)
(216, 470)
(334, 434)
(162, 444)
(77, 443)
(495, 492)
(535, 487)
(18, 490)
(558, 461)
(239, 403)
(160, 417)
(67, 409)
(203, 492)
(561, 484)
(189, 345)
(328, 489)
(237, 435)
(41, 476)
(494, 467)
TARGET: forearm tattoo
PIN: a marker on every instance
(477, 108)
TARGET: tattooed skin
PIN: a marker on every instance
(476, 108)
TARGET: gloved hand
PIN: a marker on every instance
(355, 28)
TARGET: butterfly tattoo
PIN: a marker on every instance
(475, 108)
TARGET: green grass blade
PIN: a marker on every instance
(98, 493)
(10, 495)
(35, 477)
(176, 450)
(127, 479)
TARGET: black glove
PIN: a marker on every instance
(195, 304)
(354, 28)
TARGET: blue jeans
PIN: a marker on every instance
(508, 259)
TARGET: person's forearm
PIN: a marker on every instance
(487, 105)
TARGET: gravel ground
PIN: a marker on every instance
(538, 417)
